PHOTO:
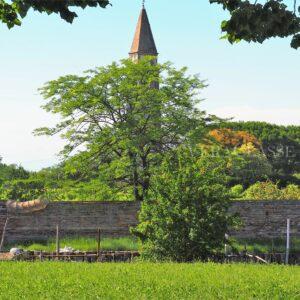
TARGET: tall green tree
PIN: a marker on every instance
(120, 123)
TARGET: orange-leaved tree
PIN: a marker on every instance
(232, 139)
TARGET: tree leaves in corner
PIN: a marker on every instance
(11, 12)
(256, 22)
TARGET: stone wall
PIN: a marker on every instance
(260, 218)
(73, 218)
(263, 219)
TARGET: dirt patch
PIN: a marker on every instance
(6, 256)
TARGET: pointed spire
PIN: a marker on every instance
(143, 42)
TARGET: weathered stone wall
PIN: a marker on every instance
(260, 218)
(73, 218)
(267, 218)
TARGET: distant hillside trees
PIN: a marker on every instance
(233, 139)
(280, 144)
(247, 165)
(11, 172)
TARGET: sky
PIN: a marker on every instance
(245, 81)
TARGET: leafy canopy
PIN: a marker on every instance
(12, 11)
(231, 139)
(248, 165)
(11, 172)
(257, 21)
(114, 119)
(280, 144)
(252, 21)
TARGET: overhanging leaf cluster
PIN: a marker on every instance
(257, 22)
(12, 12)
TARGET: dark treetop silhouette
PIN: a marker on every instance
(251, 21)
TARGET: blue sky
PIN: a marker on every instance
(246, 81)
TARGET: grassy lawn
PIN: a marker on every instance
(147, 281)
(83, 244)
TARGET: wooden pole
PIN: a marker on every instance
(3, 233)
(57, 240)
(287, 253)
(98, 243)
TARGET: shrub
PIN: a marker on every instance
(291, 192)
(263, 191)
(237, 191)
(185, 217)
(270, 191)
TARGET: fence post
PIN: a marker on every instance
(98, 243)
(57, 241)
(4, 232)
(287, 253)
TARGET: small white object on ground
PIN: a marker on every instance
(66, 250)
(16, 251)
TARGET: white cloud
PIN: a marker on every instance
(280, 116)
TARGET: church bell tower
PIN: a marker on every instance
(143, 42)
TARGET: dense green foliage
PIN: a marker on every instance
(121, 124)
(245, 166)
(280, 144)
(22, 189)
(265, 191)
(10, 172)
(11, 12)
(147, 281)
(256, 21)
(271, 191)
(185, 218)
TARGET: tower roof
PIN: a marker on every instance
(143, 42)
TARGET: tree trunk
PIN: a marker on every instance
(146, 177)
(135, 178)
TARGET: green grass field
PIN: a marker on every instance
(147, 281)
